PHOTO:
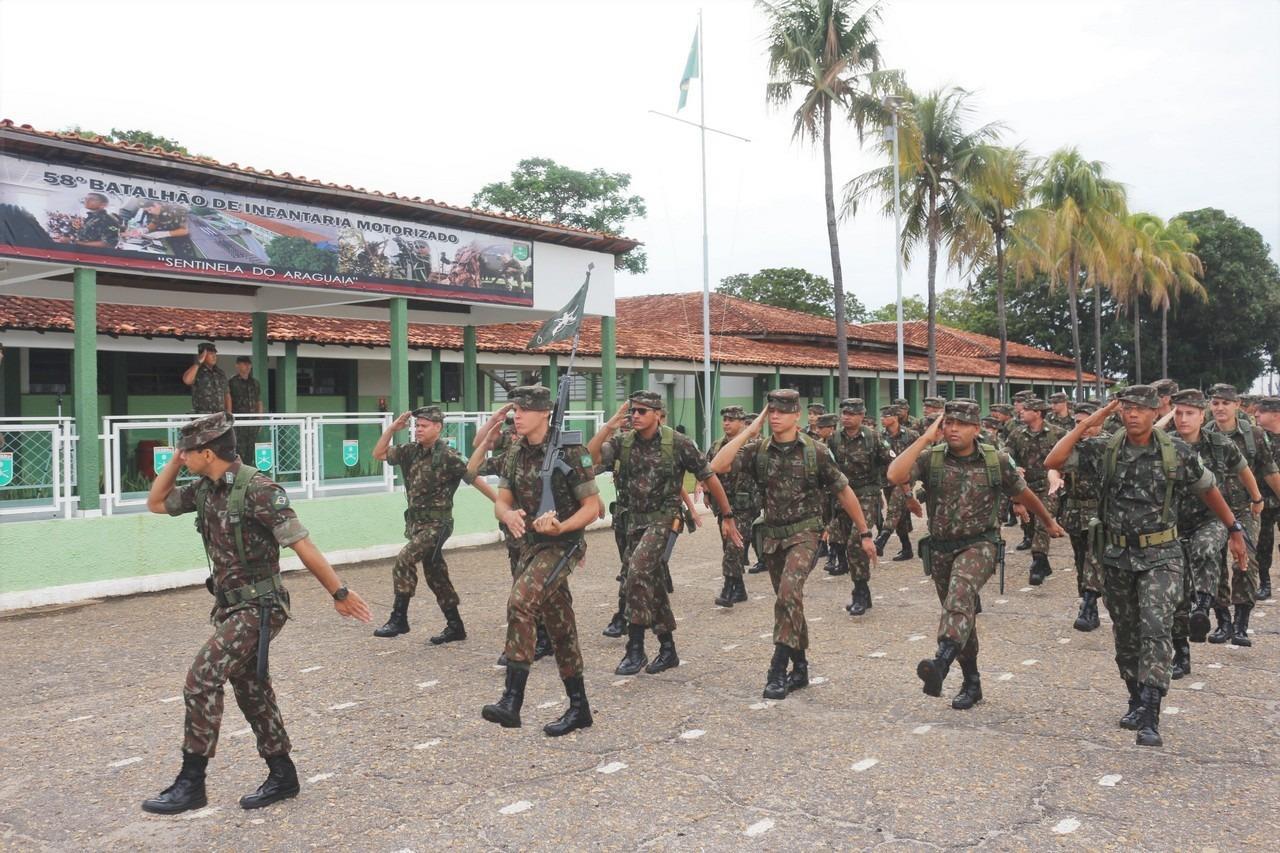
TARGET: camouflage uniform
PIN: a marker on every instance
(1271, 512)
(745, 503)
(246, 394)
(99, 225)
(1066, 422)
(1079, 505)
(862, 458)
(492, 467)
(897, 516)
(431, 476)
(1234, 587)
(209, 392)
(1029, 450)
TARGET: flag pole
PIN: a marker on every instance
(706, 269)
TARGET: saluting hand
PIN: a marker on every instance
(353, 607)
(753, 428)
(1097, 418)
(934, 430)
(401, 422)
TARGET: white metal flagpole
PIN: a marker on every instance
(707, 388)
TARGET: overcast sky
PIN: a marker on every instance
(1181, 100)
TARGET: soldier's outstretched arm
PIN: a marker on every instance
(163, 484)
(1061, 451)
(849, 503)
(688, 502)
(316, 562)
(723, 460)
(1235, 539)
(1028, 499)
(484, 488)
(727, 521)
(1251, 487)
(899, 470)
(384, 441)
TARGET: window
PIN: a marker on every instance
(155, 373)
(808, 386)
(322, 376)
(49, 371)
(450, 382)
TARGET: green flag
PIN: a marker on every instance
(564, 324)
(690, 71)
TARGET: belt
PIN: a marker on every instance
(1144, 540)
(420, 515)
(786, 531)
(950, 546)
(267, 586)
(643, 519)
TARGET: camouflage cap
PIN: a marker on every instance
(901, 401)
(1002, 409)
(203, 430)
(853, 406)
(1191, 397)
(652, 399)
(1249, 399)
(243, 359)
(990, 423)
(1035, 404)
(207, 346)
(1224, 391)
(786, 400)
(733, 413)
(1023, 395)
(1058, 397)
(1084, 407)
(817, 408)
(431, 413)
(965, 411)
(1269, 404)
(750, 416)
(534, 398)
(1140, 395)
(1165, 387)
(830, 419)
(934, 402)
(888, 411)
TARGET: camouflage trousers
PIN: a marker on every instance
(789, 562)
(246, 438)
(531, 601)
(897, 516)
(841, 535)
(1040, 533)
(1267, 537)
(1142, 606)
(1235, 586)
(231, 654)
(735, 556)
(1204, 549)
(958, 577)
(424, 546)
(1088, 571)
(648, 603)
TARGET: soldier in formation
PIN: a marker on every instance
(1028, 447)
(246, 399)
(1268, 417)
(1079, 504)
(1060, 414)
(210, 391)
(898, 499)
(745, 506)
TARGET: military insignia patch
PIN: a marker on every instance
(280, 501)
(586, 460)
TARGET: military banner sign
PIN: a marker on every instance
(350, 452)
(6, 469)
(160, 457)
(264, 455)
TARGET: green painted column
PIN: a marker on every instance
(84, 380)
(470, 383)
(951, 390)
(260, 369)
(551, 374)
(759, 385)
(829, 391)
(776, 381)
(872, 398)
(984, 405)
(399, 401)
(915, 388)
(609, 365)
(432, 393)
(287, 380)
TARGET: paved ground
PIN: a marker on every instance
(393, 753)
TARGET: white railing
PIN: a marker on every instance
(37, 466)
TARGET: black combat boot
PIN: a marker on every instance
(725, 598)
(860, 601)
(453, 630)
(1040, 569)
(798, 678)
(833, 561)
(1241, 636)
(1200, 617)
(1025, 544)
(577, 716)
(881, 541)
(933, 671)
(1011, 520)
(506, 711)
(775, 685)
(281, 784)
(757, 568)
(542, 647)
(1181, 658)
(1225, 630)
(971, 690)
(1133, 719)
(905, 554)
(186, 792)
(618, 624)
(634, 659)
(666, 658)
(398, 622)
(502, 658)
(1087, 619)
(1149, 727)
(823, 548)
(1264, 583)
(739, 590)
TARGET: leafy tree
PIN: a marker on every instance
(793, 288)
(827, 53)
(913, 308)
(541, 188)
(297, 253)
(134, 137)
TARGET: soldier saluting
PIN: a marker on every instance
(244, 519)
(1141, 471)
(210, 391)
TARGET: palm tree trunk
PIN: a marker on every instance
(1164, 340)
(1137, 338)
(837, 278)
(1073, 279)
(1097, 339)
(1000, 316)
(933, 302)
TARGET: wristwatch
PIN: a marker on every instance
(340, 594)
(866, 534)
(1236, 527)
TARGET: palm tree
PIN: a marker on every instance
(1174, 244)
(987, 221)
(938, 161)
(827, 53)
(1137, 270)
(1075, 228)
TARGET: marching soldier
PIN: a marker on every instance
(246, 399)
(823, 429)
(743, 500)
(816, 410)
(1269, 420)
(1029, 446)
(791, 472)
(749, 543)
(244, 519)
(898, 499)
(552, 545)
(209, 389)
(933, 407)
(1165, 389)
(1060, 414)
(862, 455)
(431, 470)
(652, 460)
(963, 481)
(1141, 471)
(1079, 506)
(1003, 415)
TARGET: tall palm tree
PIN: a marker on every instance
(1075, 228)
(938, 161)
(988, 218)
(1137, 270)
(1174, 244)
(826, 52)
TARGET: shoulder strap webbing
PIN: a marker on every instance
(810, 460)
(666, 440)
(991, 457)
(235, 513)
(1168, 465)
(1250, 446)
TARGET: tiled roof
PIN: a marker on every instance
(647, 328)
(618, 243)
(953, 341)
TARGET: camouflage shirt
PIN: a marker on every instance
(1273, 445)
(98, 226)
(1260, 461)
(170, 218)
(900, 442)
(245, 393)
(522, 476)
(1135, 502)
(1066, 422)
(862, 458)
(209, 391)
(267, 524)
(651, 484)
(1080, 498)
(1029, 449)
(788, 493)
(965, 503)
(1226, 462)
(431, 476)
(741, 490)
(493, 465)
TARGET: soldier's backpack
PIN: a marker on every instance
(933, 477)
(868, 438)
(235, 515)
(667, 442)
(1168, 463)
(810, 460)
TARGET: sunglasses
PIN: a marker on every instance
(640, 410)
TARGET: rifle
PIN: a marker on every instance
(558, 437)
(1000, 561)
